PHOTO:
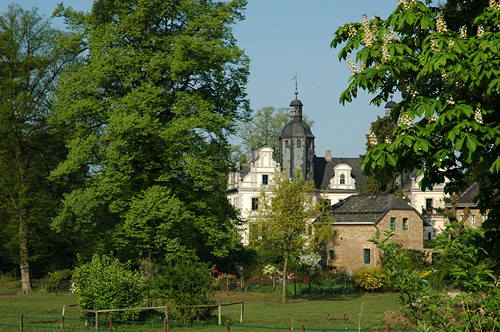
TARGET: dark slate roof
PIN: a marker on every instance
(367, 209)
(296, 128)
(324, 171)
(466, 199)
(390, 104)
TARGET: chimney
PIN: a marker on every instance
(328, 155)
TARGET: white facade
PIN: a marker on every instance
(244, 189)
(430, 204)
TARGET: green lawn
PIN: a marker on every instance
(260, 310)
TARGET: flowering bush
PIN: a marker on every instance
(269, 271)
(371, 278)
(224, 280)
(291, 276)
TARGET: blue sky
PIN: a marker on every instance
(287, 38)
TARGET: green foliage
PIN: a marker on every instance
(371, 278)
(444, 62)
(150, 109)
(473, 305)
(381, 131)
(105, 283)
(55, 280)
(265, 128)
(289, 220)
(185, 281)
(32, 58)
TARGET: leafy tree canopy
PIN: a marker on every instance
(285, 219)
(265, 128)
(151, 108)
(445, 64)
(32, 57)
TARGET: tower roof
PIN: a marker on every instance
(296, 127)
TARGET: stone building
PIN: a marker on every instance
(335, 178)
(358, 217)
(466, 209)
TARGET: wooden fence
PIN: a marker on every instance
(97, 312)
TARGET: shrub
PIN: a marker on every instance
(371, 278)
(185, 281)
(105, 283)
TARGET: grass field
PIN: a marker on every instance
(261, 311)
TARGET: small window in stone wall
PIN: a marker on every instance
(331, 254)
(287, 144)
(366, 256)
(405, 224)
(393, 223)
(299, 144)
(265, 179)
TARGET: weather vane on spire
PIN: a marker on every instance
(296, 89)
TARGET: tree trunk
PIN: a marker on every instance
(147, 267)
(309, 280)
(285, 266)
(23, 228)
(23, 258)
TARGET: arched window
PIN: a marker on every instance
(299, 144)
(342, 178)
(286, 144)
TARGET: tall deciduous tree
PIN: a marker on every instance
(286, 219)
(30, 62)
(151, 109)
(265, 127)
(445, 64)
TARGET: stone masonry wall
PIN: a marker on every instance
(351, 240)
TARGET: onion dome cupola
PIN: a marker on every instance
(297, 144)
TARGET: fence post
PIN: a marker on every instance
(302, 328)
(389, 328)
(220, 314)
(110, 323)
(242, 311)
(22, 322)
(97, 320)
(165, 324)
(62, 323)
(228, 326)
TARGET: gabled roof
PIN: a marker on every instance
(324, 171)
(368, 209)
(467, 197)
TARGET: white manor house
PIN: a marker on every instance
(335, 178)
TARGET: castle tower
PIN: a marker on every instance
(297, 144)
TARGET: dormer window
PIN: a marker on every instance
(265, 179)
(342, 177)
